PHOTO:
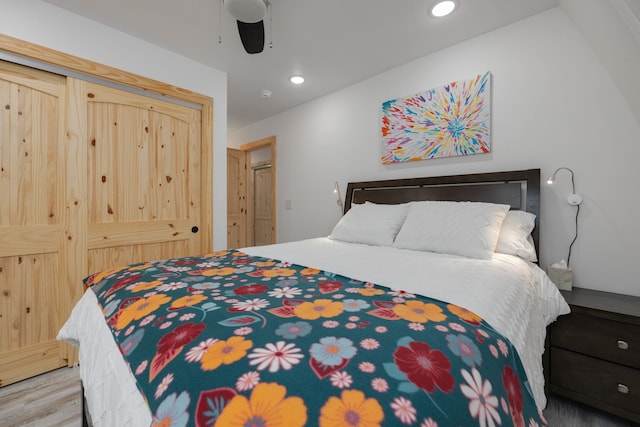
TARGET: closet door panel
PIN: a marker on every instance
(144, 178)
(32, 159)
(101, 259)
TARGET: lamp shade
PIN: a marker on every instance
(249, 11)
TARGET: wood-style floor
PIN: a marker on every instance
(53, 400)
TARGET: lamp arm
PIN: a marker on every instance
(552, 178)
(336, 191)
(574, 199)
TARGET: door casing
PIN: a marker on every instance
(247, 149)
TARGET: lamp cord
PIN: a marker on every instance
(574, 237)
(220, 22)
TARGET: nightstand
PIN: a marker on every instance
(595, 352)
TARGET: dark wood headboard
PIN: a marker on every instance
(519, 189)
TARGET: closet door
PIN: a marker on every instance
(143, 168)
(91, 178)
(32, 218)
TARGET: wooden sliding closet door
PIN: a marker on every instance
(32, 220)
(144, 170)
(91, 178)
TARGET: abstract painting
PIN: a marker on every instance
(451, 120)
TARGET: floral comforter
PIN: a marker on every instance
(232, 340)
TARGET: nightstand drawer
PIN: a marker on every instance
(603, 338)
(609, 383)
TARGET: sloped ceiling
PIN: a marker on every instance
(612, 28)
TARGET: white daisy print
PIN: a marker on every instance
(404, 410)
(285, 292)
(251, 304)
(248, 381)
(280, 355)
(482, 404)
(164, 384)
(171, 286)
(341, 379)
(196, 353)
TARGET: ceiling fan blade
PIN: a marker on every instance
(252, 36)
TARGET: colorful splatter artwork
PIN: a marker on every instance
(447, 121)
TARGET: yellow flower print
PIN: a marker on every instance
(275, 272)
(369, 292)
(417, 311)
(265, 263)
(267, 406)
(464, 314)
(187, 301)
(225, 352)
(318, 308)
(225, 271)
(352, 409)
(141, 308)
(216, 254)
(145, 286)
(238, 254)
(309, 271)
(141, 267)
(98, 277)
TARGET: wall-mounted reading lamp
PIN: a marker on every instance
(574, 199)
(336, 191)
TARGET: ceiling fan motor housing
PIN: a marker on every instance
(249, 11)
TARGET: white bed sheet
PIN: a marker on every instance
(515, 296)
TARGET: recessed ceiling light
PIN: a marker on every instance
(264, 93)
(443, 8)
(296, 80)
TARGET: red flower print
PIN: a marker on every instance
(254, 289)
(424, 367)
(113, 320)
(180, 336)
(124, 282)
(186, 262)
(511, 384)
(329, 287)
(210, 405)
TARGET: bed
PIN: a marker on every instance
(387, 321)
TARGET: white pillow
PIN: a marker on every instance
(469, 229)
(515, 235)
(371, 224)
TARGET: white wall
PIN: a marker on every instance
(46, 25)
(612, 29)
(553, 105)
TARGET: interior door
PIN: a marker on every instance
(262, 206)
(236, 198)
(143, 177)
(32, 216)
(261, 191)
